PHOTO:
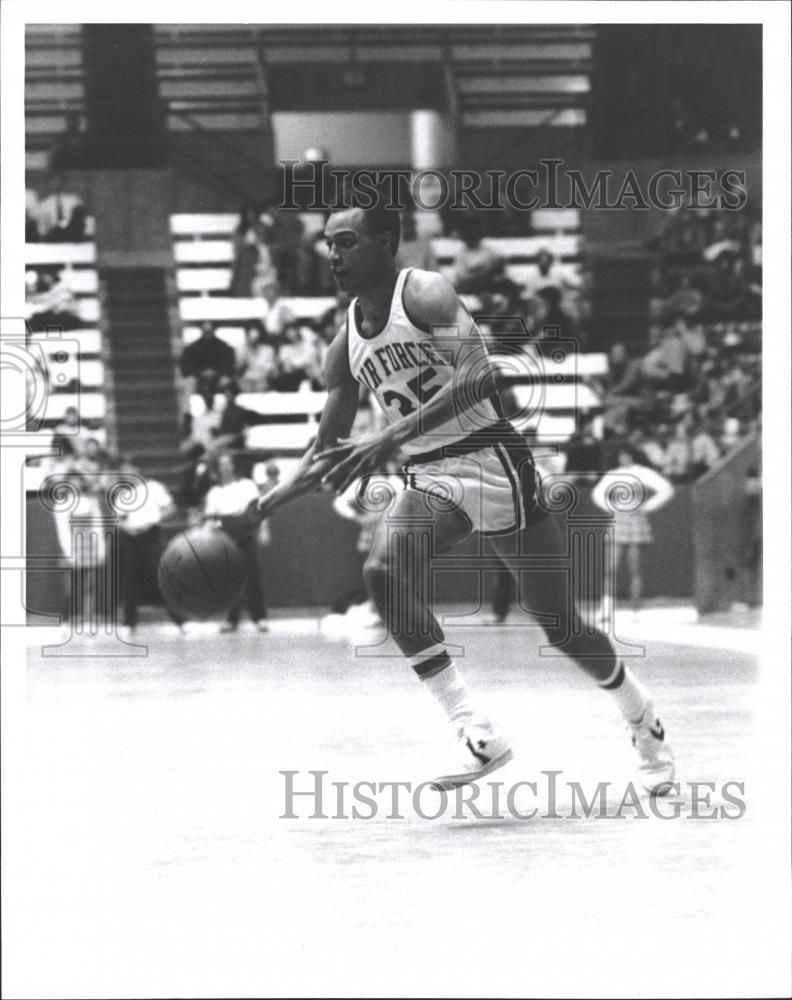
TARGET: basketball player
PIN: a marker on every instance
(410, 341)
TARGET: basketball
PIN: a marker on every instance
(201, 573)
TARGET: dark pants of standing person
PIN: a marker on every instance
(253, 595)
(89, 602)
(503, 593)
(138, 555)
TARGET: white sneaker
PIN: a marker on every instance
(482, 750)
(656, 770)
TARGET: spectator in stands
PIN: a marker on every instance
(738, 381)
(693, 338)
(68, 151)
(226, 504)
(704, 451)
(683, 239)
(278, 316)
(250, 239)
(584, 451)
(478, 270)
(550, 313)
(731, 432)
(257, 360)
(52, 303)
(70, 435)
(712, 394)
(61, 217)
(297, 361)
(655, 447)
(201, 427)
(686, 300)
(547, 275)
(287, 245)
(726, 297)
(414, 250)
(93, 460)
(679, 454)
(139, 543)
(207, 360)
(664, 365)
(624, 371)
(196, 478)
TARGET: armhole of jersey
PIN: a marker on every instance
(418, 326)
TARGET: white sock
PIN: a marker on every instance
(438, 672)
(630, 695)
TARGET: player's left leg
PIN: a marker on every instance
(550, 596)
(398, 576)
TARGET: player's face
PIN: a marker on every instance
(355, 255)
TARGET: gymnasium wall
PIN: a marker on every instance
(351, 138)
(727, 529)
(313, 562)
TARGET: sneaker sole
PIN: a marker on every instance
(448, 782)
(659, 781)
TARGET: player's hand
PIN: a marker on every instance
(351, 460)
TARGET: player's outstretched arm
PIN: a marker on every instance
(336, 422)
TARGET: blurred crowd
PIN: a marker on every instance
(274, 250)
(708, 267)
(682, 403)
(55, 217)
(50, 299)
(690, 389)
(682, 394)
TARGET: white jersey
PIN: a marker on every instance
(404, 367)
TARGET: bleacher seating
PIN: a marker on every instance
(74, 362)
(204, 251)
(204, 255)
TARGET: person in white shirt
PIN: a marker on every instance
(257, 360)
(225, 507)
(278, 317)
(547, 275)
(70, 435)
(82, 538)
(630, 492)
(54, 214)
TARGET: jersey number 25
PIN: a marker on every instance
(418, 387)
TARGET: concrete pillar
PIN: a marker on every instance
(429, 140)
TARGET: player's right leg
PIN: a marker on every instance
(550, 597)
(398, 575)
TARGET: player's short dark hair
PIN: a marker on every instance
(381, 218)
